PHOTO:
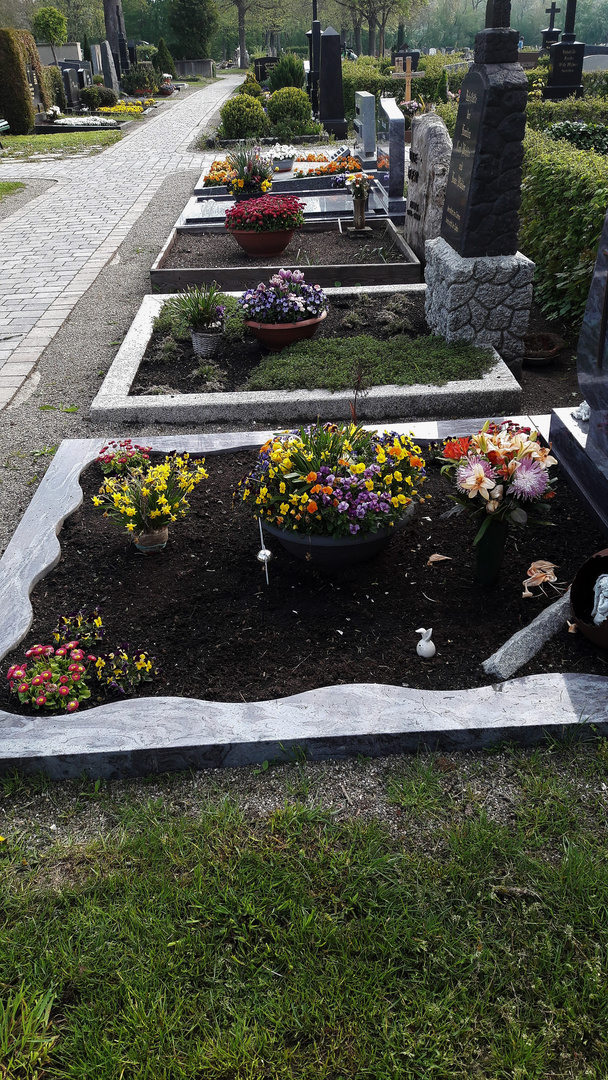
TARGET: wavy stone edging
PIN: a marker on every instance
(495, 392)
(163, 733)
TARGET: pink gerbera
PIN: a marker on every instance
(475, 476)
(529, 480)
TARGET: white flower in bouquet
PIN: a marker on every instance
(281, 152)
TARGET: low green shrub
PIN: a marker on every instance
(564, 198)
(448, 114)
(243, 118)
(288, 72)
(541, 114)
(55, 90)
(595, 83)
(108, 98)
(289, 103)
(251, 86)
(583, 136)
(140, 79)
(89, 96)
(536, 76)
(98, 80)
(332, 364)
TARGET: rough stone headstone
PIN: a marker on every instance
(365, 124)
(108, 66)
(96, 60)
(581, 446)
(115, 27)
(427, 178)
(331, 95)
(479, 287)
(566, 62)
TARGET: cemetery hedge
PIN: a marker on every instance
(54, 86)
(15, 100)
(564, 199)
(541, 114)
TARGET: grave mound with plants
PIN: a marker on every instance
(196, 615)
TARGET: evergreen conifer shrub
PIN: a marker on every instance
(163, 61)
(288, 72)
(15, 98)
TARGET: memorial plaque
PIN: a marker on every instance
(470, 111)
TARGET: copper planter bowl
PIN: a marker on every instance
(276, 336)
(262, 245)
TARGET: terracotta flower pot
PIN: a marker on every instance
(331, 552)
(148, 543)
(276, 336)
(262, 245)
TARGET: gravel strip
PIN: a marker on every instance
(13, 202)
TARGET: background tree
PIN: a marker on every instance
(48, 24)
(192, 24)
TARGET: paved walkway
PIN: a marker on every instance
(54, 247)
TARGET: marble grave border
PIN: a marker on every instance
(159, 734)
(496, 392)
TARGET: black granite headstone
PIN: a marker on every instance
(263, 65)
(331, 96)
(582, 448)
(565, 77)
(480, 215)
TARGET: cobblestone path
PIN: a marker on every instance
(53, 248)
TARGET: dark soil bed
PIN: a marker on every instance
(202, 606)
(171, 366)
(324, 248)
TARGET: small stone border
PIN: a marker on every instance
(159, 734)
(496, 392)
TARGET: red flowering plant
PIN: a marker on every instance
(271, 213)
(122, 456)
(52, 678)
(498, 473)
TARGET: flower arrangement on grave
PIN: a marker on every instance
(409, 110)
(53, 113)
(334, 480)
(283, 154)
(122, 110)
(498, 474)
(218, 174)
(59, 678)
(250, 173)
(312, 157)
(286, 299)
(271, 213)
(345, 164)
(146, 501)
(202, 311)
(358, 184)
(119, 457)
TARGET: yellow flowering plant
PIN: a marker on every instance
(145, 500)
(249, 172)
(334, 480)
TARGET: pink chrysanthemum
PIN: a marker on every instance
(475, 477)
(529, 480)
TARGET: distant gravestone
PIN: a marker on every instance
(582, 446)
(263, 65)
(427, 178)
(479, 287)
(365, 124)
(71, 86)
(331, 94)
(565, 78)
(110, 77)
(96, 60)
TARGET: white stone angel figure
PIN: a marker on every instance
(599, 613)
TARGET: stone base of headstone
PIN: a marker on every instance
(582, 469)
(481, 301)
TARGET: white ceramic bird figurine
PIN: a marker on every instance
(425, 647)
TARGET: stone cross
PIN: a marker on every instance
(498, 13)
(408, 78)
(552, 12)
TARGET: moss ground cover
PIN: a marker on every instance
(8, 187)
(401, 361)
(458, 929)
(24, 146)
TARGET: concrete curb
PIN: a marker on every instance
(159, 734)
(496, 392)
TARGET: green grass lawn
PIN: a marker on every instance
(7, 187)
(187, 938)
(76, 142)
(334, 363)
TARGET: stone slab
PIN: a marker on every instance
(496, 392)
(522, 646)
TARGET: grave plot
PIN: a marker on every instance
(325, 251)
(204, 599)
(495, 387)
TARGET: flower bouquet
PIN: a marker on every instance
(287, 305)
(498, 473)
(146, 501)
(274, 216)
(283, 157)
(250, 173)
(201, 310)
(339, 484)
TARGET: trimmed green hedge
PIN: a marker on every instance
(541, 114)
(15, 98)
(243, 118)
(564, 199)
